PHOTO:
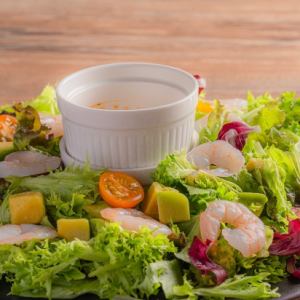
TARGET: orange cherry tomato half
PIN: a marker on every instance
(8, 125)
(120, 190)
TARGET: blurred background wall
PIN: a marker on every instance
(237, 45)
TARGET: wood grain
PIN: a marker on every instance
(237, 45)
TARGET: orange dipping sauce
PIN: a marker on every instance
(114, 105)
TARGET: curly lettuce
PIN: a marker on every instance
(237, 287)
(30, 133)
(267, 112)
(46, 102)
(176, 171)
(66, 191)
(113, 263)
(215, 122)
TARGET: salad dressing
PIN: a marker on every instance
(116, 104)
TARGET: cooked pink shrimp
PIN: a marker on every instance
(248, 236)
(227, 159)
(17, 234)
(54, 123)
(133, 220)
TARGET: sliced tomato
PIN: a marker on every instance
(8, 125)
(120, 190)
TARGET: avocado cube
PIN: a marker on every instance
(5, 149)
(254, 201)
(94, 210)
(173, 207)
(26, 208)
(149, 206)
(71, 229)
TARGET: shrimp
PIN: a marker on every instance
(54, 123)
(227, 159)
(133, 220)
(17, 234)
(248, 236)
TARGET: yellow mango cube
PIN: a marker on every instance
(150, 203)
(71, 229)
(26, 208)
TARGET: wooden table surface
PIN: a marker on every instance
(237, 45)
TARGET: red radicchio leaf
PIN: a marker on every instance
(235, 133)
(294, 226)
(296, 210)
(288, 243)
(200, 260)
(292, 267)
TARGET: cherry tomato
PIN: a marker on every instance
(8, 125)
(120, 190)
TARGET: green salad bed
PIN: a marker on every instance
(227, 211)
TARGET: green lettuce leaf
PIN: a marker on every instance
(264, 111)
(165, 274)
(270, 175)
(290, 104)
(283, 139)
(288, 162)
(259, 101)
(46, 102)
(30, 130)
(128, 258)
(61, 182)
(114, 263)
(276, 173)
(65, 192)
(172, 169)
(238, 287)
(176, 171)
(246, 181)
(214, 123)
(270, 116)
(270, 113)
(202, 188)
(274, 265)
(31, 134)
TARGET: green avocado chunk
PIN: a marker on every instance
(173, 207)
(94, 210)
(149, 206)
(5, 149)
(254, 201)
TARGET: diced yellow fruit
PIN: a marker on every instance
(204, 107)
(26, 208)
(94, 209)
(71, 229)
(173, 207)
(150, 203)
(254, 163)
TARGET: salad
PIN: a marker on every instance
(218, 222)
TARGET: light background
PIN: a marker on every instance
(237, 45)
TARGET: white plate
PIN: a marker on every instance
(141, 174)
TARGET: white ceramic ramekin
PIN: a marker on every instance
(127, 139)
